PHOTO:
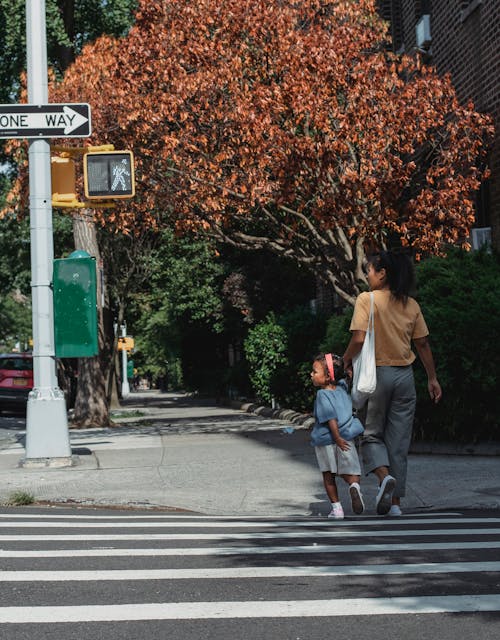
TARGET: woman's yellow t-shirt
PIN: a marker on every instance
(396, 324)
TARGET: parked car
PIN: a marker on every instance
(16, 379)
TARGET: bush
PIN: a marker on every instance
(265, 348)
(279, 353)
(460, 299)
(174, 374)
(337, 333)
(304, 331)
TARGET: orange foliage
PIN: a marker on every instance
(286, 125)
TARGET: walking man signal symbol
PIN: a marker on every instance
(120, 172)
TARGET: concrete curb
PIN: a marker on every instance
(300, 419)
(430, 448)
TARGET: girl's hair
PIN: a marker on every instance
(338, 366)
(399, 270)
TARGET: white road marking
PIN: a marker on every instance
(238, 520)
(252, 609)
(324, 523)
(261, 535)
(224, 551)
(248, 572)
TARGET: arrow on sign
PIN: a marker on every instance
(54, 120)
(69, 120)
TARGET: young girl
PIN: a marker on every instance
(333, 414)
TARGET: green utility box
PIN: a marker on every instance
(75, 306)
(130, 369)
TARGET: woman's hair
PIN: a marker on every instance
(399, 269)
(338, 366)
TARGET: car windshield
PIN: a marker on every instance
(16, 364)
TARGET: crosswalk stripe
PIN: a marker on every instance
(225, 551)
(234, 520)
(244, 524)
(255, 536)
(248, 572)
(252, 609)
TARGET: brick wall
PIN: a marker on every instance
(466, 43)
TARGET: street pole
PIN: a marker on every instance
(47, 436)
(125, 384)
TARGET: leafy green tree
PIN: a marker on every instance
(181, 295)
(15, 322)
(15, 274)
(70, 25)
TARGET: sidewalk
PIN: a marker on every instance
(174, 451)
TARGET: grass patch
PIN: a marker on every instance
(127, 414)
(20, 498)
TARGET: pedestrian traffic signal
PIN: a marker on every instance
(126, 343)
(109, 174)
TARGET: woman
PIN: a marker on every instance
(391, 409)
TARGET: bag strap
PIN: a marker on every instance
(371, 319)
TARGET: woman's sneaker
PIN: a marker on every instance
(395, 510)
(337, 513)
(358, 506)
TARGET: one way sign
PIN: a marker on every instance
(44, 121)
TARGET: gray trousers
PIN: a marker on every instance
(389, 424)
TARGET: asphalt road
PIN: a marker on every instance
(72, 574)
(11, 423)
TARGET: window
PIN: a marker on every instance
(467, 7)
(422, 7)
(390, 10)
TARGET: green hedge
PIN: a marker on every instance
(279, 354)
(460, 299)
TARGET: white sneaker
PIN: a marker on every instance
(395, 510)
(383, 500)
(337, 513)
(358, 506)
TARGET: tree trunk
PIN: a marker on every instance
(91, 405)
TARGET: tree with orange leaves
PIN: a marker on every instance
(285, 125)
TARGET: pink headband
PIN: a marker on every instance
(329, 366)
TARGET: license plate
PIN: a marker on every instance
(20, 382)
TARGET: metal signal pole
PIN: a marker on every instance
(47, 436)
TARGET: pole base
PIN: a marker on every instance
(47, 434)
(43, 463)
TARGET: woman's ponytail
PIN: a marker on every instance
(399, 270)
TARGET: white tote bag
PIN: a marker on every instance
(364, 376)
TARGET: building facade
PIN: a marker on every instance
(460, 37)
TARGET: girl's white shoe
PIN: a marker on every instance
(337, 513)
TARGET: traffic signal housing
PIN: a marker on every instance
(108, 174)
(126, 343)
(63, 177)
